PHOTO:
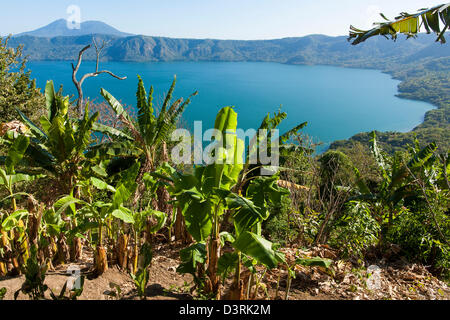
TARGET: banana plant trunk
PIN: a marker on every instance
(76, 250)
(101, 261)
(181, 233)
(22, 245)
(101, 258)
(213, 259)
(3, 248)
(122, 251)
(63, 251)
(136, 252)
(237, 289)
(146, 167)
(162, 193)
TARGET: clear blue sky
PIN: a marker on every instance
(220, 19)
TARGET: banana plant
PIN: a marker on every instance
(140, 224)
(205, 197)
(35, 272)
(435, 19)
(98, 214)
(263, 139)
(142, 275)
(9, 178)
(397, 184)
(13, 245)
(149, 132)
(8, 175)
(60, 143)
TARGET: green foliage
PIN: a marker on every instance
(397, 184)
(150, 130)
(416, 234)
(17, 90)
(34, 285)
(314, 262)
(142, 276)
(205, 197)
(336, 168)
(74, 293)
(9, 179)
(258, 248)
(408, 24)
(193, 259)
(409, 207)
(355, 231)
(60, 146)
(281, 227)
(2, 293)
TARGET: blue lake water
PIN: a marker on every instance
(336, 102)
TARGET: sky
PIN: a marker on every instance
(218, 19)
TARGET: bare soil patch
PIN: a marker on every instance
(394, 280)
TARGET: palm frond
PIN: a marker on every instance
(168, 97)
(50, 100)
(115, 105)
(110, 131)
(408, 24)
(144, 113)
(37, 132)
(83, 134)
(285, 137)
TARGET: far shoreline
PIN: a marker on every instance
(326, 145)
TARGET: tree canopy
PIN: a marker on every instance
(17, 89)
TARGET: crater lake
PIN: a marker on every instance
(336, 102)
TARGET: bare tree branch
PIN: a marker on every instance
(75, 69)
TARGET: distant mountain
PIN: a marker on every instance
(315, 49)
(59, 28)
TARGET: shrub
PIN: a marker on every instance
(355, 231)
(280, 227)
(417, 236)
(17, 90)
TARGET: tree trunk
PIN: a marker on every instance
(76, 250)
(122, 252)
(63, 251)
(236, 292)
(101, 261)
(179, 225)
(181, 234)
(146, 167)
(4, 248)
(21, 247)
(213, 258)
(320, 234)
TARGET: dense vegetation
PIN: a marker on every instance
(17, 90)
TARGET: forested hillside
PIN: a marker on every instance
(314, 49)
(422, 65)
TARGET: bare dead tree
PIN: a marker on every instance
(79, 83)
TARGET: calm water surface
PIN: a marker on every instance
(337, 102)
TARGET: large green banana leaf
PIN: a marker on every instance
(408, 24)
(258, 248)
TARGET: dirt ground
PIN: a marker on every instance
(394, 281)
